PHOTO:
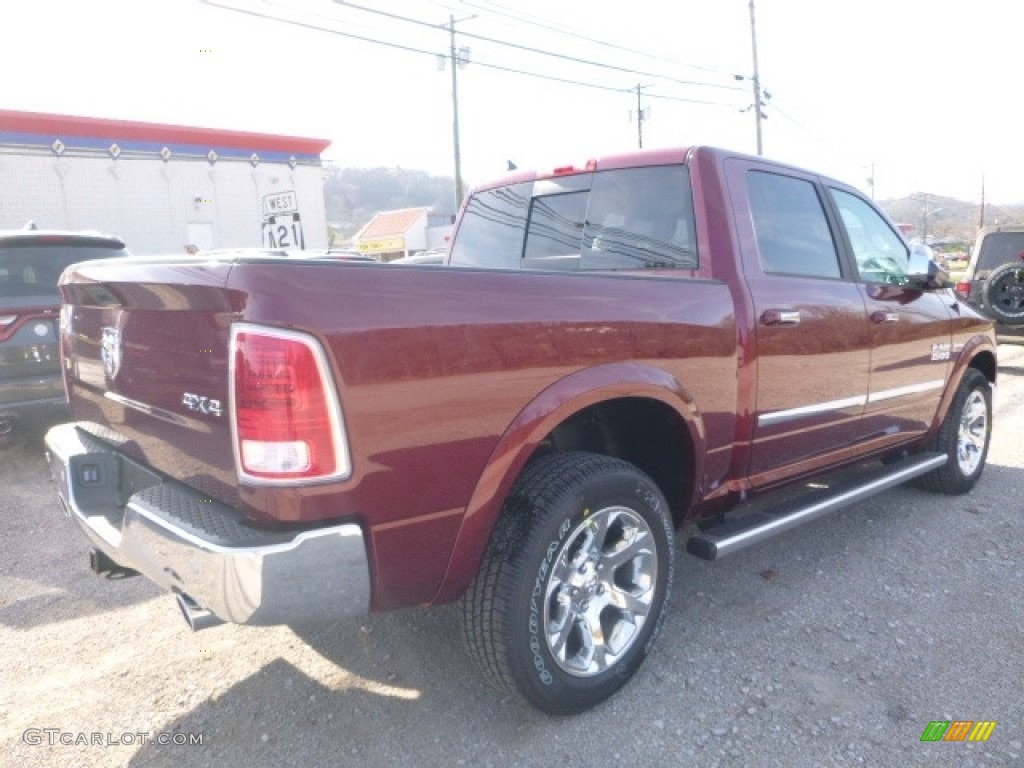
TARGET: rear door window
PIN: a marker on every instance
(793, 235)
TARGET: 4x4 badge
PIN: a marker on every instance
(110, 351)
(202, 404)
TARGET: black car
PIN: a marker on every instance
(994, 281)
(31, 262)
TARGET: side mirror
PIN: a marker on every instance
(923, 272)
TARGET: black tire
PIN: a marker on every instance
(963, 437)
(1003, 294)
(584, 543)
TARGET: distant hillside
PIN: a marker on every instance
(354, 195)
(934, 218)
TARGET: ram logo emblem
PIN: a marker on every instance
(110, 351)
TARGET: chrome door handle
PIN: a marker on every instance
(885, 317)
(780, 317)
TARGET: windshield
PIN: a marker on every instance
(35, 270)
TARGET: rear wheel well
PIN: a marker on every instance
(646, 433)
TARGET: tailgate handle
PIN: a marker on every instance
(780, 317)
(885, 317)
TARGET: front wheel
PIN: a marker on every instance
(963, 437)
(571, 592)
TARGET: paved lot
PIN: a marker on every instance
(835, 644)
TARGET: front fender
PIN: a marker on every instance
(533, 424)
(978, 352)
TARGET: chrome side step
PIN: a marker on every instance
(723, 538)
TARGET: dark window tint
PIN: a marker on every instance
(635, 218)
(881, 254)
(554, 231)
(35, 270)
(640, 218)
(491, 230)
(792, 231)
(1000, 248)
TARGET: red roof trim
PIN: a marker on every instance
(96, 127)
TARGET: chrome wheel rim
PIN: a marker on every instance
(973, 434)
(599, 591)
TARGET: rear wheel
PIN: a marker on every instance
(570, 596)
(1004, 294)
(963, 437)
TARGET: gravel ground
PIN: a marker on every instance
(833, 645)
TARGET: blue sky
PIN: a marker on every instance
(917, 95)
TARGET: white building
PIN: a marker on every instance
(159, 187)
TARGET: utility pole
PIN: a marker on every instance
(457, 60)
(641, 115)
(924, 221)
(758, 115)
(981, 217)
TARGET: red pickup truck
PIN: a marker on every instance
(613, 353)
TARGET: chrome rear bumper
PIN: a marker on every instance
(201, 549)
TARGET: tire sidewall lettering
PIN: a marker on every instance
(506, 622)
(649, 501)
(535, 621)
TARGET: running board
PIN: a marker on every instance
(723, 538)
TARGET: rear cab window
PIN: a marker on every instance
(623, 219)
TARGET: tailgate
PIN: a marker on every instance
(145, 348)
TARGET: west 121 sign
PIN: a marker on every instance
(282, 227)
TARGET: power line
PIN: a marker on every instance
(535, 21)
(306, 25)
(431, 53)
(826, 144)
(539, 51)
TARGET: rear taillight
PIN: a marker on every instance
(963, 289)
(287, 421)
